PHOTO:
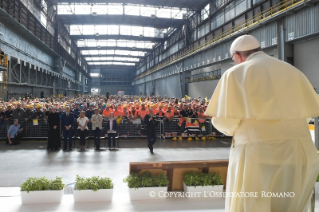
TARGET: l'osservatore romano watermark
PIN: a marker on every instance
(212, 194)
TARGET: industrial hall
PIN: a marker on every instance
(159, 105)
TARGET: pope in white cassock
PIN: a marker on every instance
(264, 103)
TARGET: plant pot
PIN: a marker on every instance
(205, 191)
(38, 197)
(147, 193)
(101, 195)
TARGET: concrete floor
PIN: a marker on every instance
(31, 159)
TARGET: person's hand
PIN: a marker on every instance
(10, 142)
(37, 117)
(21, 129)
(26, 119)
(55, 127)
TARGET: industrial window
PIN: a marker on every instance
(240, 6)
(219, 20)
(111, 52)
(111, 63)
(128, 59)
(205, 12)
(256, 1)
(101, 9)
(230, 11)
(122, 43)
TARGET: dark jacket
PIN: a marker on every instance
(36, 113)
(89, 113)
(8, 114)
(114, 125)
(76, 113)
(150, 125)
(18, 114)
(66, 121)
(54, 120)
(28, 114)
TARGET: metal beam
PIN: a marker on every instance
(190, 4)
(131, 20)
(117, 37)
(114, 48)
(120, 61)
(114, 66)
(111, 55)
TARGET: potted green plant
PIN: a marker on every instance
(42, 190)
(146, 185)
(202, 182)
(93, 189)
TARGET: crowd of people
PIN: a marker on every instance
(95, 109)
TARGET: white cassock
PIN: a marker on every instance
(263, 103)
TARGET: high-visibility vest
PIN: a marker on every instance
(116, 113)
(143, 113)
(161, 114)
(201, 120)
(181, 120)
(190, 124)
(176, 113)
(169, 114)
(106, 112)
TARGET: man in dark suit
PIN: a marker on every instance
(151, 132)
(67, 120)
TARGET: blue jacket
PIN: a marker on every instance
(76, 113)
(114, 125)
(89, 114)
(66, 121)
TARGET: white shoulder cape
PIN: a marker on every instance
(264, 88)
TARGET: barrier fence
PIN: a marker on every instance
(126, 129)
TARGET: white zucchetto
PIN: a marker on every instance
(244, 43)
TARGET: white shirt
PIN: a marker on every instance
(82, 122)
